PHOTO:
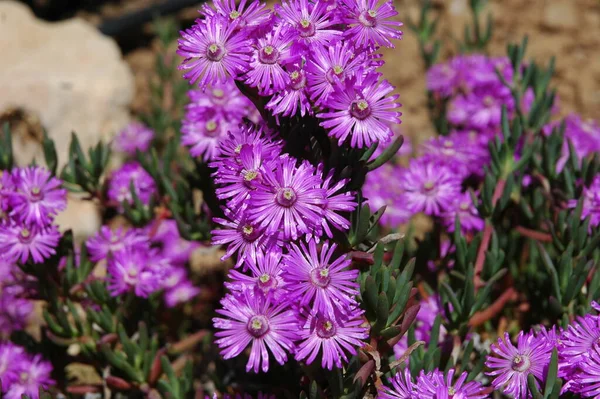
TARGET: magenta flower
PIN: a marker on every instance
(202, 133)
(360, 109)
(382, 187)
(577, 342)
(587, 379)
(14, 312)
(222, 101)
(463, 208)
(135, 137)
(266, 71)
(260, 136)
(19, 243)
(249, 18)
(132, 173)
(310, 23)
(242, 237)
(319, 282)
(107, 242)
(265, 275)
(181, 293)
(7, 186)
(429, 386)
(294, 98)
(591, 202)
(129, 272)
(511, 365)
(459, 152)
(429, 187)
(33, 374)
(12, 357)
(213, 51)
(289, 200)
(37, 197)
(371, 25)
(338, 201)
(331, 337)
(402, 387)
(254, 320)
(326, 66)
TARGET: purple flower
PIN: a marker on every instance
(328, 65)
(213, 50)
(7, 186)
(294, 98)
(431, 385)
(338, 200)
(37, 197)
(180, 293)
(402, 387)
(429, 187)
(331, 336)
(310, 23)
(511, 365)
(230, 147)
(289, 200)
(14, 313)
(33, 374)
(202, 133)
(12, 359)
(222, 100)
(248, 18)
(266, 71)
(130, 272)
(481, 109)
(266, 275)
(382, 188)
(361, 109)
(254, 320)
(136, 136)
(132, 173)
(459, 152)
(577, 342)
(591, 202)
(463, 208)
(316, 280)
(587, 379)
(371, 25)
(242, 237)
(107, 242)
(20, 243)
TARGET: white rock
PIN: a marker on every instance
(67, 73)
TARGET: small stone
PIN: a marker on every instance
(560, 15)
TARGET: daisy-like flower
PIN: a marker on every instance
(294, 98)
(429, 386)
(107, 242)
(222, 100)
(319, 282)
(402, 387)
(382, 188)
(242, 237)
(20, 243)
(310, 23)
(7, 186)
(481, 109)
(14, 313)
(331, 336)
(371, 25)
(119, 187)
(458, 152)
(338, 200)
(266, 275)
(463, 208)
(254, 320)
(202, 133)
(230, 147)
(248, 17)
(429, 187)
(578, 340)
(360, 109)
(129, 272)
(33, 374)
(213, 50)
(37, 197)
(289, 200)
(266, 71)
(11, 358)
(327, 65)
(135, 137)
(587, 379)
(510, 365)
(238, 177)
(591, 202)
(181, 293)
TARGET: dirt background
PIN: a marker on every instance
(567, 29)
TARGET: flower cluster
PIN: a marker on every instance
(30, 199)
(583, 135)
(15, 307)
(21, 373)
(432, 385)
(129, 180)
(290, 296)
(143, 261)
(135, 137)
(305, 57)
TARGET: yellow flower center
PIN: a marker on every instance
(362, 105)
(234, 14)
(250, 175)
(268, 50)
(305, 23)
(338, 69)
(247, 230)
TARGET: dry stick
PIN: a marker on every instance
(536, 235)
(481, 317)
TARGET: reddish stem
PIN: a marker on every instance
(480, 260)
(536, 235)
(481, 317)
